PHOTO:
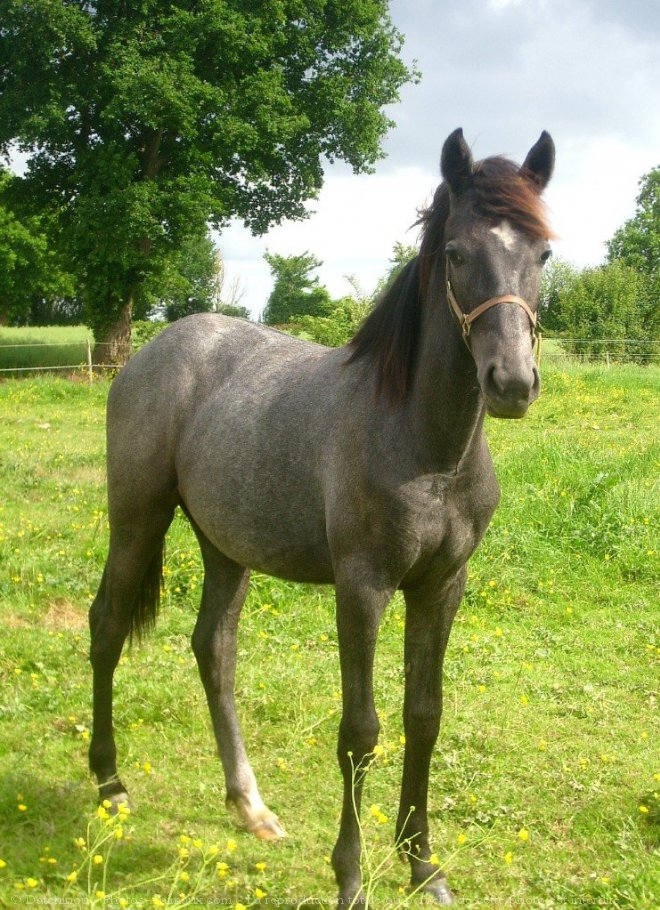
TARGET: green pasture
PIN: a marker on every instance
(43, 347)
(544, 787)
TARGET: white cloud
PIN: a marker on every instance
(355, 226)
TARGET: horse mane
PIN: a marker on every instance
(389, 336)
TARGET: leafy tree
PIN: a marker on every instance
(557, 278)
(602, 304)
(33, 282)
(402, 253)
(233, 309)
(337, 327)
(296, 292)
(637, 245)
(146, 121)
(189, 281)
(346, 315)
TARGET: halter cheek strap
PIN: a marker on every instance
(465, 320)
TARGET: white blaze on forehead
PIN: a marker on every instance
(506, 233)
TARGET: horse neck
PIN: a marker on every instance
(446, 404)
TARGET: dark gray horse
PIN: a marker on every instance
(365, 467)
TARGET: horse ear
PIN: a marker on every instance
(540, 162)
(456, 162)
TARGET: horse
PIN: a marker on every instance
(364, 466)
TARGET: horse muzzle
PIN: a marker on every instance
(509, 389)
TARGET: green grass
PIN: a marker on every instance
(43, 346)
(550, 722)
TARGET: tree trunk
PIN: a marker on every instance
(113, 342)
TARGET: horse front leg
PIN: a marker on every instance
(430, 611)
(360, 607)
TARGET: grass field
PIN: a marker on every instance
(43, 346)
(544, 788)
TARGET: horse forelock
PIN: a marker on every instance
(500, 190)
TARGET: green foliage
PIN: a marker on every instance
(343, 317)
(295, 292)
(144, 125)
(338, 326)
(232, 309)
(189, 282)
(637, 245)
(402, 253)
(143, 331)
(557, 278)
(32, 279)
(602, 304)
(552, 659)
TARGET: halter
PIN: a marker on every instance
(465, 320)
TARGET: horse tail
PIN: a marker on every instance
(145, 611)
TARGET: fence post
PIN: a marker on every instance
(90, 367)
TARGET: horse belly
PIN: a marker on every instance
(276, 528)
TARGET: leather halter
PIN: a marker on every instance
(465, 320)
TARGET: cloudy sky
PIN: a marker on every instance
(588, 71)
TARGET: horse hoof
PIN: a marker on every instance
(119, 803)
(269, 829)
(261, 822)
(439, 890)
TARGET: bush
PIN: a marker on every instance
(142, 331)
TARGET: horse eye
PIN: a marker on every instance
(454, 256)
(545, 256)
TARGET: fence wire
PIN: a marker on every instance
(618, 351)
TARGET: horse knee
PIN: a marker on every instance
(358, 735)
(422, 724)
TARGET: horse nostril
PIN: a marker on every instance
(509, 383)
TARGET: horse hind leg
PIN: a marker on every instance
(126, 603)
(214, 645)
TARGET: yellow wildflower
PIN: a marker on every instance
(508, 857)
(98, 859)
(523, 834)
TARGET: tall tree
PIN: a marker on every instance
(144, 121)
(637, 245)
(558, 276)
(32, 277)
(296, 291)
(188, 284)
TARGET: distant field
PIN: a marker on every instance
(544, 787)
(47, 346)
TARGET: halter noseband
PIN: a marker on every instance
(465, 320)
